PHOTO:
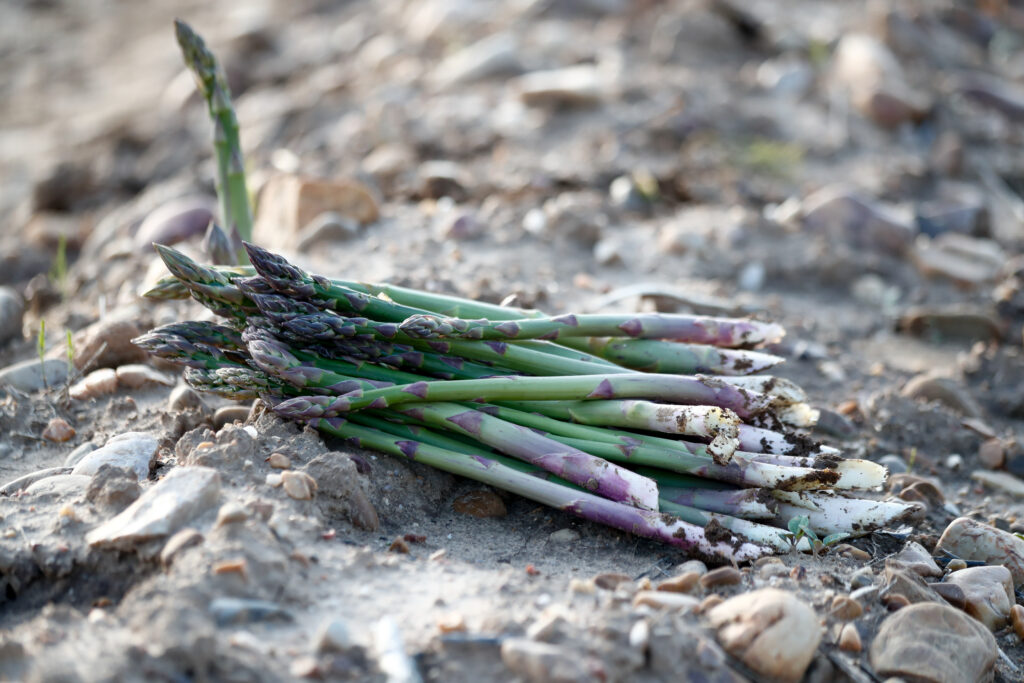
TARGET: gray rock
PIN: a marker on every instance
(895, 463)
(27, 480)
(234, 611)
(339, 493)
(31, 375)
(113, 487)
(12, 308)
(915, 558)
(988, 592)
(131, 450)
(944, 390)
(843, 214)
(58, 486)
(874, 79)
(181, 496)
(546, 663)
(329, 227)
(1004, 482)
(971, 540)
(934, 643)
(491, 56)
(75, 456)
(772, 631)
(335, 636)
(580, 85)
(184, 398)
(175, 221)
(226, 415)
(564, 536)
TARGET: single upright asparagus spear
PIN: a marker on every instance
(231, 188)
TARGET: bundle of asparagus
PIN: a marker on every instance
(713, 462)
(659, 425)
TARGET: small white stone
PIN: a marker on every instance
(171, 503)
(131, 450)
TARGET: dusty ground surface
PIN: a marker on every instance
(737, 119)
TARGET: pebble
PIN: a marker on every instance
(30, 375)
(903, 582)
(132, 450)
(955, 565)
(894, 463)
(1017, 620)
(950, 324)
(340, 493)
(994, 92)
(289, 203)
(839, 213)
(933, 643)
(298, 485)
(58, 485)
(611, 580)
(845, 608)
(452, 623)
(27, 480)
(58, 430)
(546, 663)
(184, 398)
(231, 513)
(279, 461)
(335, 636)
(226, 415)
(951, 593)
(552, 626)
(439, 178)
(399, 545)
(175, 221)
(992, 454)
(723, 576)
(564, 536)
(235, 611)
(666, 600)
(327, 228)
(875, 81)
(108, 343)
(692, 566)
(772, 631)
(941, 257)
(581, 85)
(918, 560)
(12, 308)
(988, 592)
(186, 538)
(181, 496)
(683, 583)
(97, 383)
(944, 390)
(849, 639)
(113, 487)
(494, 55)
(480, 504)
(136, 375)
(1003, 482)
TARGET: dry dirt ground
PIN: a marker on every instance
(740, 120)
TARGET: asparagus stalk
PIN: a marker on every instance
(593, 474)
(684, 390)
(723, 332)
(650, 355)
(831, 513)
(637, 521)
(231, 186)
(639, 354)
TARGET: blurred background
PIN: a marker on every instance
(554, 152)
